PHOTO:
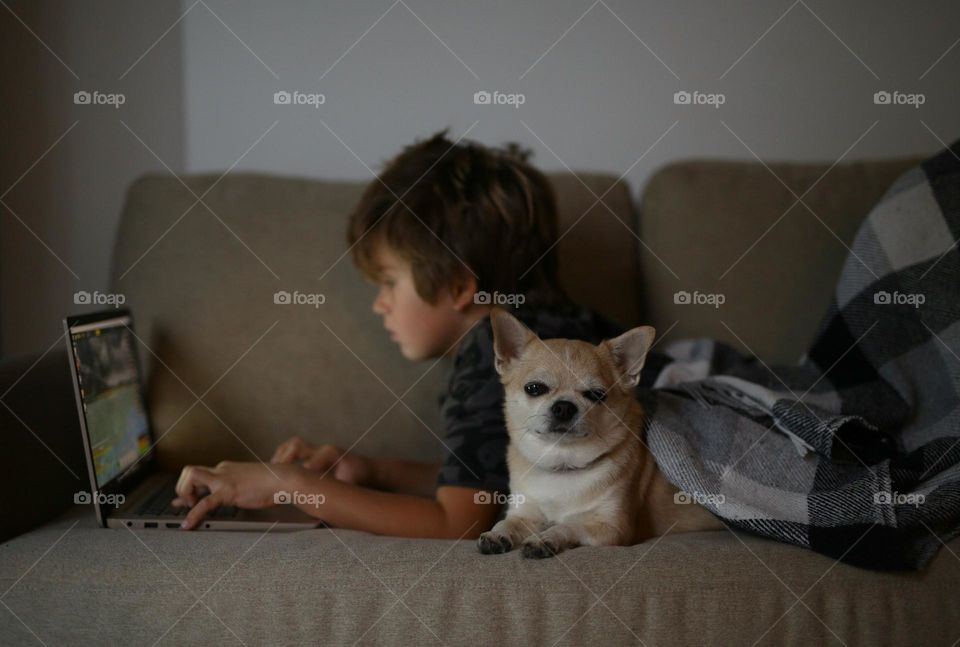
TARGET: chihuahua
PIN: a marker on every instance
(580, 473)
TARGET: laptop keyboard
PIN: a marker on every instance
(160, 505)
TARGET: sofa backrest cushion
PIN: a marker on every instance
(232, 374)
(732, 232)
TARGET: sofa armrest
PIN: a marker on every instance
(41, 450)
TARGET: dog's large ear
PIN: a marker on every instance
(629, 352)
(510, 337)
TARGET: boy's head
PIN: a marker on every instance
(445, 221)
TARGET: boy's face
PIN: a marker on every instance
(422, 330)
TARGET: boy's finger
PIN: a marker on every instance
(279, 456)
(288, 452)
(317, 463)
(326, 457)
(192, 478)
(204, 506)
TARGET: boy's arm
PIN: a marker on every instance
(453, 514)
(404, 477)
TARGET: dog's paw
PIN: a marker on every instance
(538, 549)
(492, 543)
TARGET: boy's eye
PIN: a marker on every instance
(535, 389)
(595, 395)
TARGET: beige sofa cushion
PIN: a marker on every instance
(716, 227)
(341, 587)
(201, 284)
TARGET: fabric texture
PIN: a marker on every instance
(73, 583)
(855, 451)
(737, 229)
(472, 405)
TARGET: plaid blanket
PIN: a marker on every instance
(854, 452)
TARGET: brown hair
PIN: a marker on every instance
(441, 205)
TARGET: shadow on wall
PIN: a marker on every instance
(65, 166)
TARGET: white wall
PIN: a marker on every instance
(598, 98)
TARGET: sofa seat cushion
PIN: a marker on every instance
(71, 582)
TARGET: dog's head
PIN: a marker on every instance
(564, 393)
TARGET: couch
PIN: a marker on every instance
(232, 374)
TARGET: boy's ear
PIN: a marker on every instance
(510, 337)
(629, 352)
(463, 291)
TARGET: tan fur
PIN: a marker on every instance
(596, 484)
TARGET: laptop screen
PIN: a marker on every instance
(110, 394)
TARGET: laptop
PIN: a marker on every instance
(127, 488)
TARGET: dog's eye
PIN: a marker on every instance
(595, 395)
(535, 388)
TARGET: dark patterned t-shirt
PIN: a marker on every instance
(472, 406)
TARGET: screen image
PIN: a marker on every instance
(113, 404)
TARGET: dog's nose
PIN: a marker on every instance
(563, 410)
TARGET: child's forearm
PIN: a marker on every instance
(405, 477)
(382, 513)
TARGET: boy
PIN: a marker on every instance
(443, 225)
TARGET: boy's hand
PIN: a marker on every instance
(244, 485)
(346, 467)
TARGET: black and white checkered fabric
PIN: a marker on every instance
(855, 452)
